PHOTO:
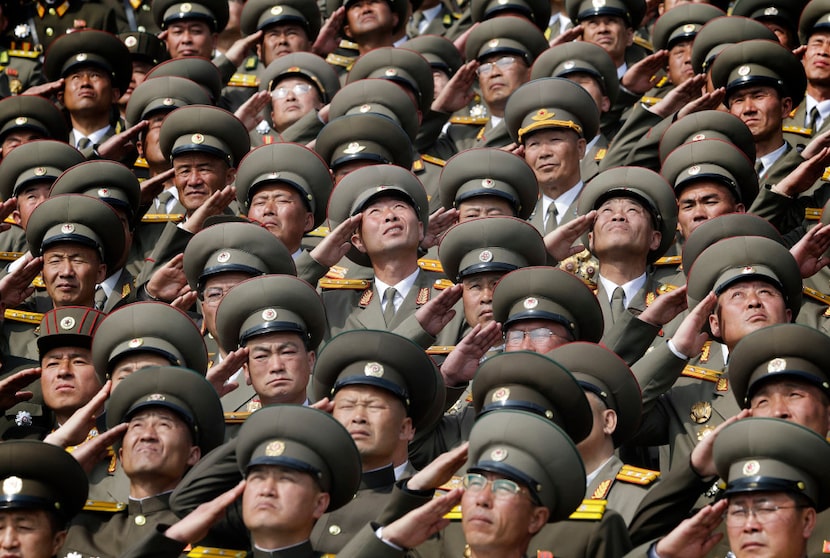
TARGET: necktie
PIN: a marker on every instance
(83, 143)
(163, 198)
(814, 120)
(100, 298)
(759, 166)
(551, 218)
(617, 306)
(389, 311)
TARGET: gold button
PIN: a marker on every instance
(52, 11)
(140, 520)
(334, 530)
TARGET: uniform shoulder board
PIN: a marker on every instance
(816, 295)
(141, 163)
(814, 213)
(601, 152)
(236, 417)
(10, 256)
(636, 475)
(351, 45)
(590, 510)
(450, 18)
(162, 218)
(440, 349)
(434, 160)
(650, 101)
(23, 316)
(342, 61)
(211, 552)
(9, 220)
(702, 373)
(792, 112)
(430, 265)
(798, 130)
(469, 120)
(20, 53)
(320, 232)
(666, 288)
(662, 82)
(646, 44)
(244, 80)
(38, 283)
(441, 284)
(251, 63)
(669, 260)
(4, 57)
(102, 506)
(417, 166)
(348, 284)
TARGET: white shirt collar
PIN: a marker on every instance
(823, 110)
(630, 289)
(403, 287)
(109, 283)
(563, 202)
(769, 159)
(622, 70)
(94, 138)
(590, 478)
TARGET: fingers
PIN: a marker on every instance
(325, 405)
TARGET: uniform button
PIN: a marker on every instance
(334, 530)
(140, 520)
(49, 31)
(52, 11)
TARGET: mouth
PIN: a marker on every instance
(359, 434)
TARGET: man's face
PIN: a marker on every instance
(366, 17)
(477, 297)
(623, 227)
(609, 32)
(158, 445)
(291, 99)
(68, 380)
(149, 143)
(791, 398)
(499, 75)
(16, 138)
(604, 425)
(89, 91)
(539, 336)
(190, 38)
(283, 212)
(782, 534)
(281, 503)
(440, 79)
(376, 420)
(31, 196)
(484, 206)
(389, 225)
(216, 287)
(70, 272)
(499, 524)
(278, 367)
(746, 307)
(680, 62)
(29, 534)
(140, 70)
(135, 361)
(702, 201)
(762, 109)
(590, 84)
(343, 170)
(197, 176)
(281, 39)
(554, 156)
(816, 59)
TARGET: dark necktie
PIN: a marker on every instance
(389, 311)
(617, 304)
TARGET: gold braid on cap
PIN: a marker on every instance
(550, 123)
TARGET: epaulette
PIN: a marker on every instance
(244, 80)
(431, 265)
(351, 45)
(342, 61)
(440, 349)
(22, 316)
(646, 44)
(798, 130)
(816, 295)
(650, 101)
(417, 166)
(792, 112)
(668, 260)
(162, 218)
(434, 160)
(251, 63)
(826, 175)
(102, 506)
(590, 510)
(350, 284)
(636, 475)
(441, 284)
(9, 220)
(320, 232)
(663, 82)
(210, 552)
(702, 373)
(337, 272)
(601, 152)
(10, 256)
(20, 53)
(37, 282)
(469, 120)
(141, 163)
(236, 417)
(450, 18)
(814, 213)
(455, 482)
(4, 58)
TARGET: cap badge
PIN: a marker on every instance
(130, 41)
(167, 102)
(748, 269)
(488, 183)
(493, 43)
(771, 11)
(353, 148)
(485, 256)
(22, 30)
(67, 228)
(136, 342)
(501, 394)
(751, 468)
(531, 302)
(103, 192)
(12, 485)
(186, 7)
(503, 2)
(374, 369)
(197, 138)
(689, 28)
(743, 70)
(569, 64)
(390, 72)
(498, 454)
(365, 108)
(20, 120)
(155, 397)
(828, 17)
(23, 418)
(693, 170)
(698, 137)
(275, 448)
(274, 175)
(81, 57)
(777, 365)
(276, 10)
(269, 314)
(223, 257)
(293, 69)
(701, 412)
(40, 171)
(543, 114)
(598, 3)
(68, 322)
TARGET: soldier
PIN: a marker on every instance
(173, 418)
(20, 64)
(442, 56)
(96, 69)
(146, 51)
(782, 18)
(367, 26)
(434, 17)
(41, 23)
(135, 16)
(611, 25)
(28, 118)
(535, 11)
(195, 68)
(192, 29)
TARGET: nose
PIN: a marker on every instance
(8, 537)
(526, 344)
(780, 410)
(487, 295)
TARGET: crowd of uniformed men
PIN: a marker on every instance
(488, 278)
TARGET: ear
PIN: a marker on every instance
(309, 222)
(789, 314)
(538, 518)
(580, 147)
(247, 373)
(591, 241)
(629, 36)
(115, 94)
(809, 519)
(605, 104)
(786, 105)
(259, 49)
(139, 146)
(357, 241)
(740, 208)
(395, 18)
(57, 542)
(407, 430)
(656, 237)
(312, 358)
(714, 326)
(194, 456)
(321, 505)
(420, 230)
(230, 176)
(102, 273)
(16, 218)
(609, 421)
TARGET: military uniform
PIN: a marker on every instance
(41, 23)
(134, 15)
(19, 70)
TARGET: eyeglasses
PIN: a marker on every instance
(538, 336)
(738, 516)
(502, 489)
(298, 90)
(503, 63)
